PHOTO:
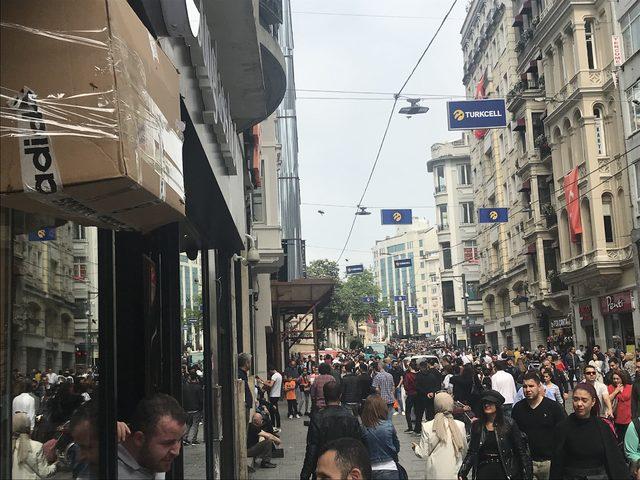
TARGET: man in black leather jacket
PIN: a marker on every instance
(351, 389)
(332, 422)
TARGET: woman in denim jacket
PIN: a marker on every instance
(380, 438)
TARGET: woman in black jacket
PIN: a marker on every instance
(496, 450)
(584, 445)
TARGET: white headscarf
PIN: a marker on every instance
(443, 405)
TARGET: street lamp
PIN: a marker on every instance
(413, 108)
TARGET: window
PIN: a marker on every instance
(257, 205)
(79, 271)
(631, 31)
(607, 217)
(423, 276)
(424, 288)
(467, 212)
(446, 255)
(444, 217)
(421, 244)
(426, 324)
(600, 139)
(633, 93)
(432, 277)
(79, 232)
(562, 65)
(590, 40)
(441, 183)
(473, 293)
(464, 174)
(470, 251)
(396, 248)
(448, 297)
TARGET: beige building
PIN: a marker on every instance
(411, 292)
(456, 225)
(490, 63)
(578, 116)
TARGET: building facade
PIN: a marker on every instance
(456, 220)
(411, 290)
(578, 128)
(490, 66)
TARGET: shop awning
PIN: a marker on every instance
(519, 125)
(526, 186)
(298, 296)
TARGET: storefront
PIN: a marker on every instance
(617, 310)
(561, 333)
(585, 313)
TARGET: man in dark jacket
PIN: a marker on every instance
(192, 400)
(332, 422)
(364, 381)
(428, 382)
(351, 394)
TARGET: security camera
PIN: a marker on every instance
(253, 256)
(239, 258)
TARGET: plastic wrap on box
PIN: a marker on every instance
(107, 125)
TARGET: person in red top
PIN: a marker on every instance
(620, 396)
(409, 383)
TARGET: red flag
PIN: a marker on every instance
(480, 94)
(572, 199)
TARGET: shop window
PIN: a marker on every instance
(600, 135)
(607, 217)
(590, 40)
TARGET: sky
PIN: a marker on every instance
(338, 139)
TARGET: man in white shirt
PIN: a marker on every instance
(601, 389)
(52, 378)
(275, 392)
(26, 402)
(503, 382)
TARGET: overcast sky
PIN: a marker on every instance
(339, 138)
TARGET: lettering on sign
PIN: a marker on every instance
(618, 52)
(616, 303)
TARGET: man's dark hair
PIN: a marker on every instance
(531, 376)
(331, 391)
(614, 360)
(328, 357)
(350, 454)
(152, 408)
(27, 386)
(271, 368)
(351, 366)
(499, 365)
(324, 369)
(364, 368)
(88, 412)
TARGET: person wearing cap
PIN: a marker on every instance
(496, 450)
(443, 441)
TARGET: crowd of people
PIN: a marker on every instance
(541, 414)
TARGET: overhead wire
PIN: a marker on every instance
(388, 124)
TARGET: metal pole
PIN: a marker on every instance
(88, 350)
(466, 309)
(315, 334)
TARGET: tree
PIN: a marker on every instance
(323, 268)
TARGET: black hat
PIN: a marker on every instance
(492, 396)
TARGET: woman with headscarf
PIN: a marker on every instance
(29, 461)
(443, 442)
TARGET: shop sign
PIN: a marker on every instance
(616, 303)
(618, 52)
(185, 19)
(560, 323)
(585, 311)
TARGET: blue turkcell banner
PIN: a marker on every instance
(351, 269)
(476, 114)
(399, 298)
(493, 215)
(399, 216)
(402, 262)
(43, 235)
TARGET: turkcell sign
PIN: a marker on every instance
(476, 114)
(43, 235)
(400, 216)
(399, 298)
(493, 215)
(402, 262)
(351, 269)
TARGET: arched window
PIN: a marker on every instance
(607, 217)
(587, 231)
(590, 40)
(600, 137)
(568, 150)
(622, 206)
(564, 236)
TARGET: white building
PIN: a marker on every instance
(416, 287)
(456, 225)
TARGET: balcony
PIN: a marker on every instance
(597, 268)
(528, 88)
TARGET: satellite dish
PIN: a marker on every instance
(413, 108)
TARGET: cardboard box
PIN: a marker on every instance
(90, 126)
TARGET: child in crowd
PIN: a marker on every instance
(290, 392)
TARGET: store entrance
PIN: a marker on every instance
(619, 328)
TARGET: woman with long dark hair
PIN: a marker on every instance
(584, 445)
(496, 450)
(463, 384)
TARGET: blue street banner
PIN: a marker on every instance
(419, 315)
(368, 299)
(43, 235)
(351, 269)
(192, 321)
(399, 298)
(476, 114)
(493, 215)
(402, 262)
(393, 317)
(384, 311)
(412, 309)
(400, 216)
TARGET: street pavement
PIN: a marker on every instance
(294, 438)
